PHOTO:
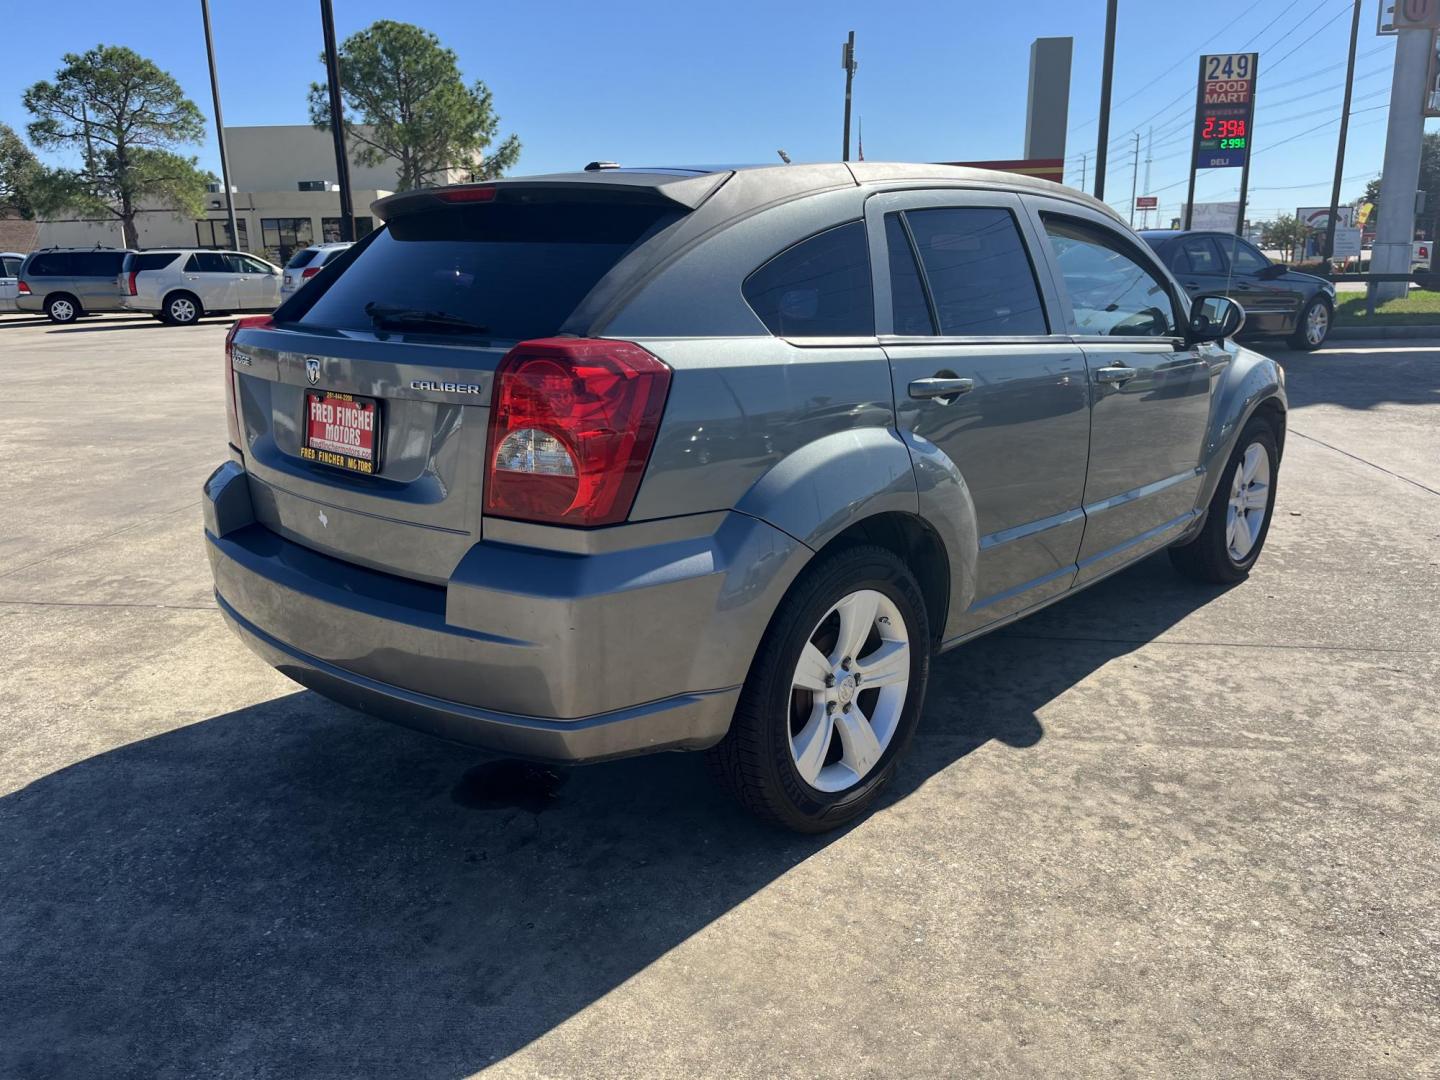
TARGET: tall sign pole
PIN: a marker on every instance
(1329, 251)
(1107, 77)
(1134, 179)
(337, 123)
(847, 60)
(1224, 117)
(1414, 21)
(220, 127)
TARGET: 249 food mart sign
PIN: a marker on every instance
(1225, 110)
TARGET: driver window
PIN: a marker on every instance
(1244, 258)
(1111, 293)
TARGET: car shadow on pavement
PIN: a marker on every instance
(1364, 376)
(293, 889)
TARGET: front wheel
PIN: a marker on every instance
(1239, 516)
(1314, 325)
(833, 695)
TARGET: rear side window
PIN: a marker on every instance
(517, 269)
(1198, 255)
(908, 306)
(979, 274)
(97, 263)
(208, 262)
(138, 264)
(301, 258)
(49, 264)
(818, 288)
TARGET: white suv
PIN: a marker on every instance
(307, 262)
(178, 286)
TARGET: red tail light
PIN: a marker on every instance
(23, 289)
(310, 271)
(572, 423)
(468, 194)
(133, 291)
(232, 409)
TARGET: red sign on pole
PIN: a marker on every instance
(1147, 202)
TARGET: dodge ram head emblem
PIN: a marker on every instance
(312, 368)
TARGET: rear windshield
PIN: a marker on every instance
(516, 269)
(301, 258)
(149, 260)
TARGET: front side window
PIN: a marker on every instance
(979, 274)
(12, 267)
(818, 288)
(1243, 258)
(1110, 291)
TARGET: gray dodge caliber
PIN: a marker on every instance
(581, 466)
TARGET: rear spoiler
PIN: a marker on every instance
(681, 189)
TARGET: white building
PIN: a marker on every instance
(273, 172)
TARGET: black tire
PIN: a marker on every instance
(754, 760)
(1300, 339)
(1207, 556)
(181, 309)
(63, 308)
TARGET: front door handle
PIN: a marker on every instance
(940, 387)
(1114, 374)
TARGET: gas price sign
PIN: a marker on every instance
(1225, 110)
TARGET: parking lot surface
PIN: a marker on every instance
(1155, 830)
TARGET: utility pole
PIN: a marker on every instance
(1149, 157)
(1107, 76)
(337, 123)
(1084, 161)
(847, 61)
(1395, 219)
(1329, 251)
(1195, 150)
(1134, 178)
(220, 127)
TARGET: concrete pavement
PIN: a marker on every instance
(1156, 830)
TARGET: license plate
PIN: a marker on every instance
(342, 430)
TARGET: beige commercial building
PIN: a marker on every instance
(285, 192)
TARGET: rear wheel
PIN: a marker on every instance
(1239, 516)
(833, 695)
(62, 309)
(1314, 325)
(181, 309)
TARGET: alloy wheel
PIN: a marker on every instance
(182, 310)
(1249, 501)
(62, 310)
(1317, 324)
(849, 690)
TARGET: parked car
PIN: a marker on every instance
(591, 465)
(181, 285)
(66, 283)
(1278, 302)
(9, 279)
(309, 261)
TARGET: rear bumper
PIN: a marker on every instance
(525, 651)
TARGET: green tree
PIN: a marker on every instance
(404, 98)
(124, 117)
(1429, 178)
(19, 172)
(1286, 232)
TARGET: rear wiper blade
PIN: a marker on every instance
(394, 316)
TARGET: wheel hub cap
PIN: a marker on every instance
(848, 691)
(1249, 502)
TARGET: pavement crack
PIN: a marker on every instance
(103, 536)
(1364, 461)
(106, 604)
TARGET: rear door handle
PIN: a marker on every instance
(1114, 374)
(940, 387)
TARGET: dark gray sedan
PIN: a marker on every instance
(1278, 302)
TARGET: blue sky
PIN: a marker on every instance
(650, 82)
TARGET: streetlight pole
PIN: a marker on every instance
(1134, 178)
(1107, 76)
(847, 60)
(220, 128)
(337, 122)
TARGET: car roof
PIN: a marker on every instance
(751, 187)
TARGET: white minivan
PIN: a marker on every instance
(9, 279)
(180, 285)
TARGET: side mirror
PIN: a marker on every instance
(1215, 318)
(1271, 272)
